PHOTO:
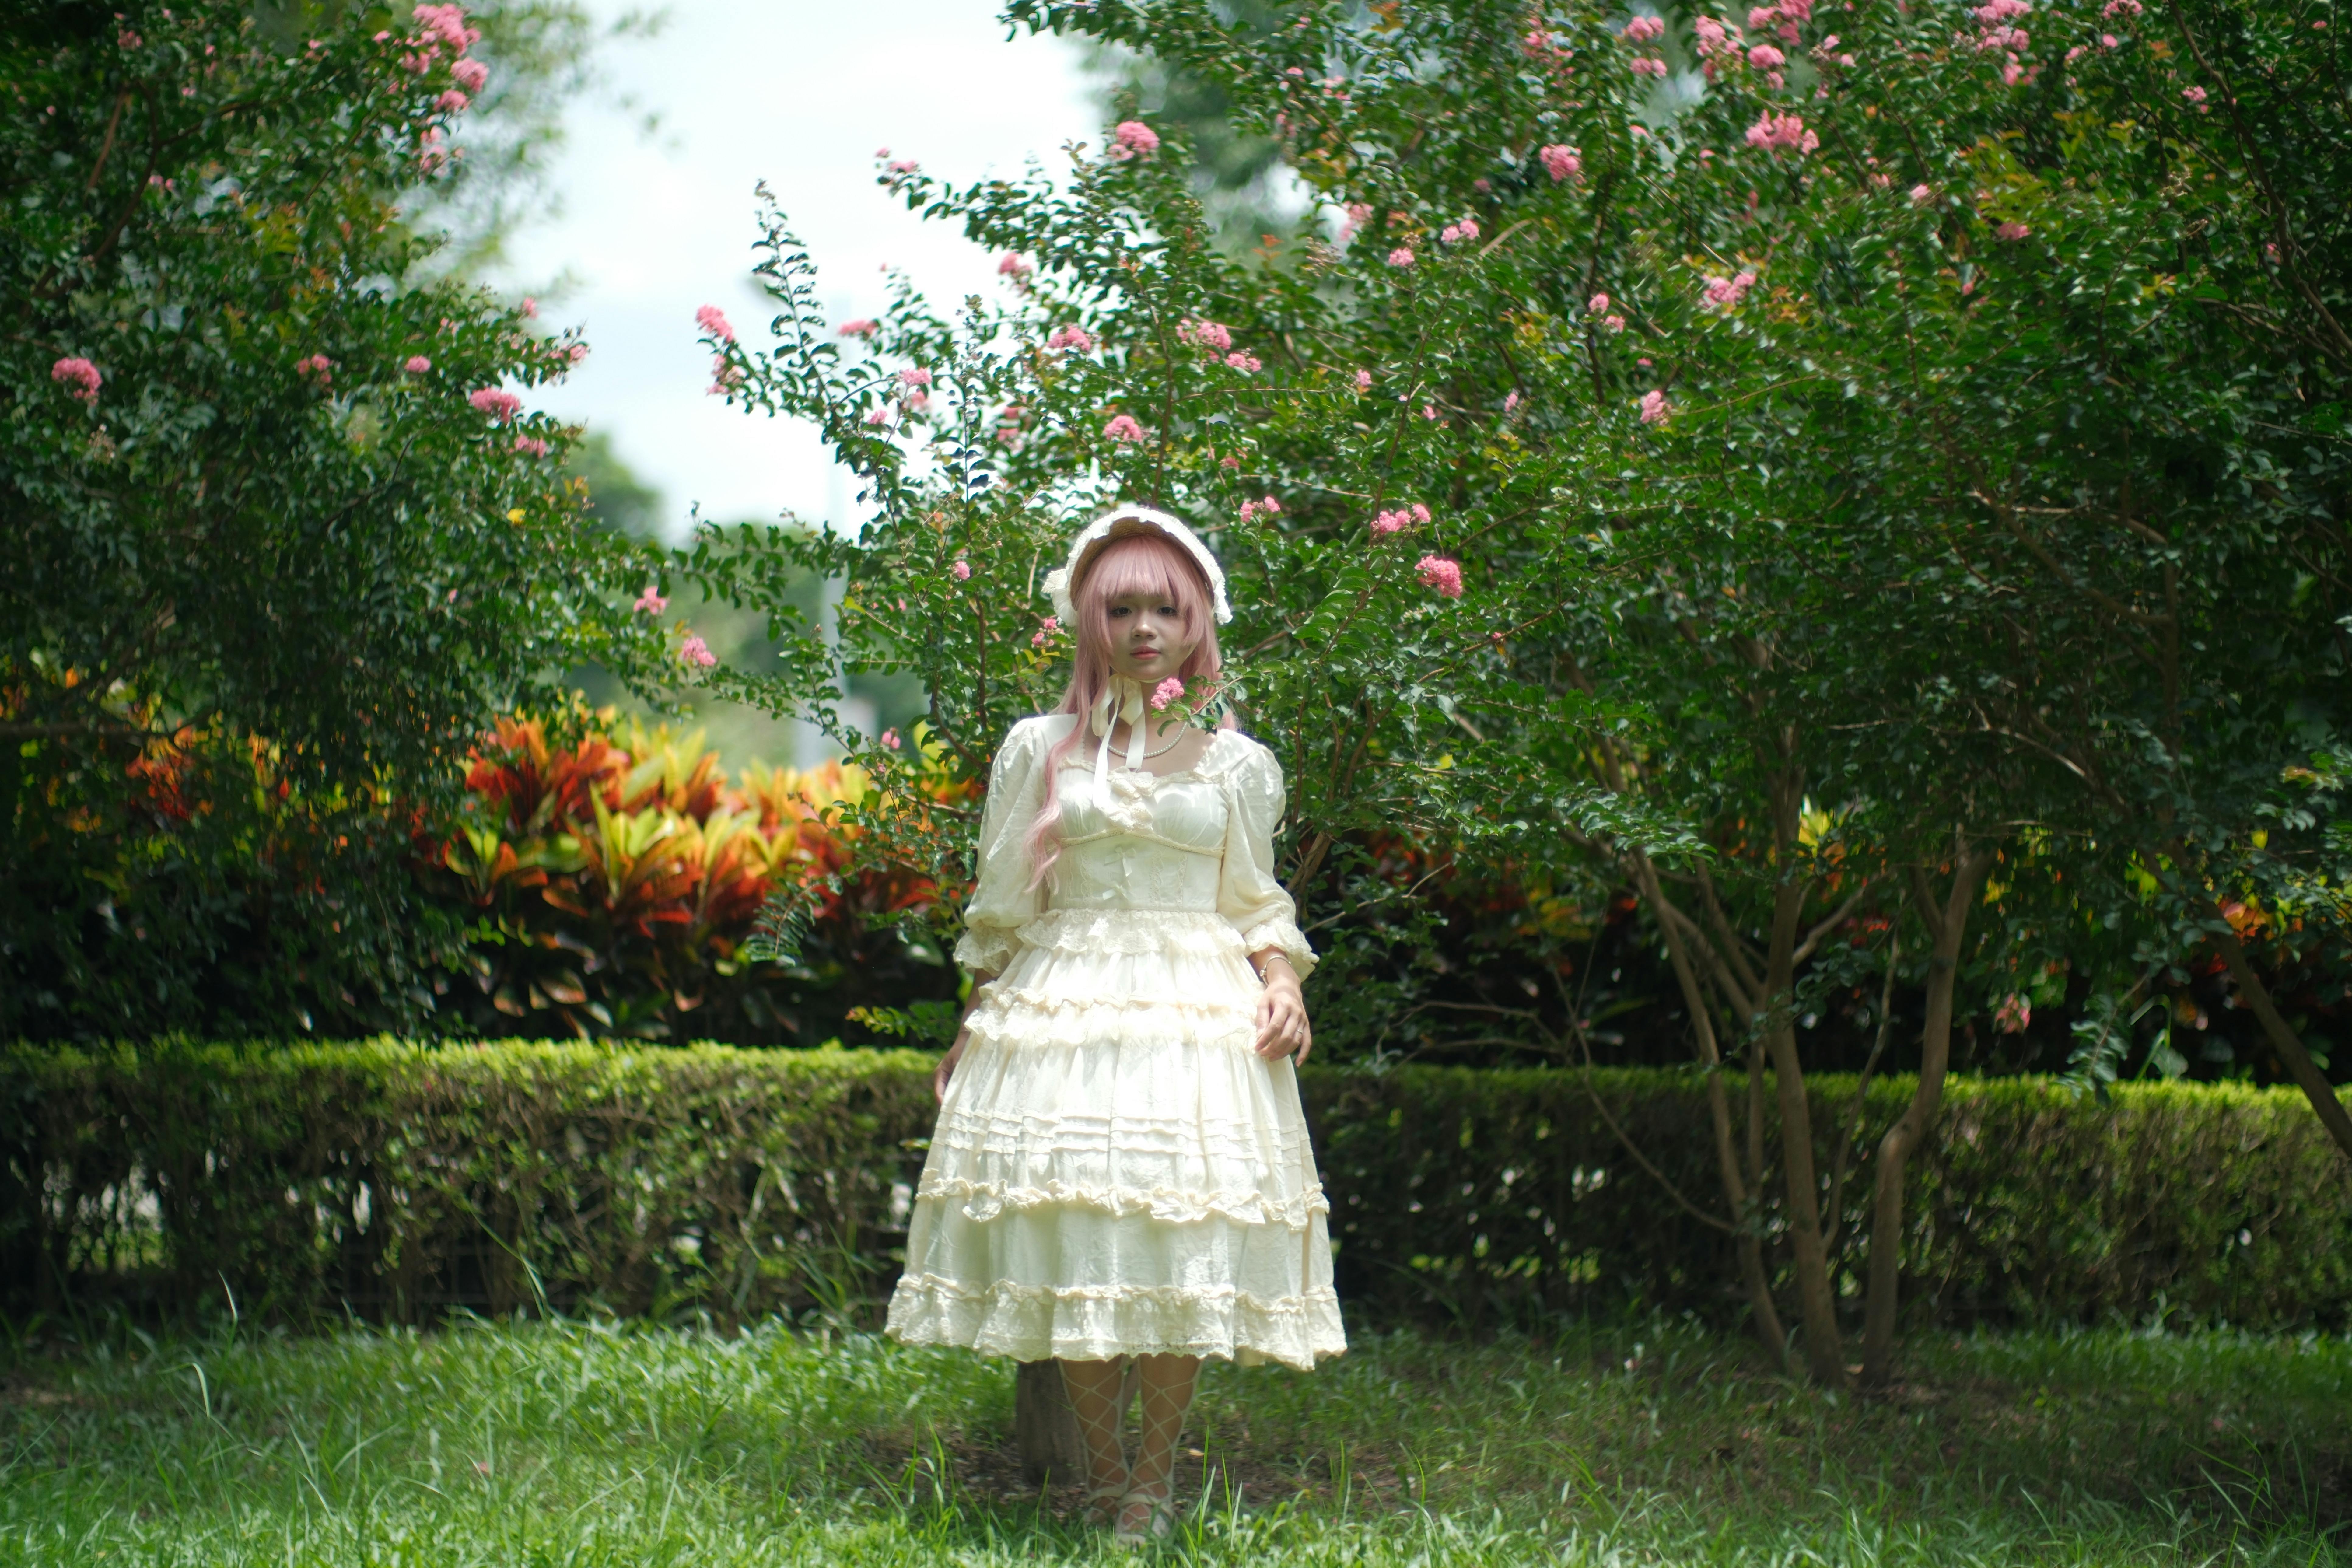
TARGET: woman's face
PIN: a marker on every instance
(1147, 639)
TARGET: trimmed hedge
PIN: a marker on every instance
(399, 1182)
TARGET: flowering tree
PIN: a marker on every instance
(1836, 433)
(261, 481)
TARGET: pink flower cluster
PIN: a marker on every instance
(319, 365)
(79, 376)
(2195, 95)
(1922, 194)
(914, 378)
(1725, 293)
(471, 74)
(650, 603)
(1648, 65)
(1718, 43)
(1359, 214)
(697, 652)
(1046, 629)
(1456, 233)
(2114, 8)
(1169, 691)
(1400, 257)
(1642, 29)
(889, 739)
(1363, 381)
(1123, 427)
(417, 364)
(960, 571)
(2011, 231)
(500, 405)
(1071, 337)
(1397, 521)
(1013, 267)
(724, 377)
(452, 103)
(713, 322)
(530, 446)
(446, 25)
(1654, 407)
(1785, 20)
(1133, 139)
(2012, 1015)
(1779, 132)
(1562, 163)
(1208, 335)
(1995, 29)
(1269, 507)
(860, 328)
(1441, 574)
(1246, 363)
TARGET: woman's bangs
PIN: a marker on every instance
(1147, 565)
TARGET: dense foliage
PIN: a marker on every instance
(405, 1181)
(268, 507)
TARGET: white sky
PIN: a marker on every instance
(799, 93)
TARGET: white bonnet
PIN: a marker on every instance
(1124, 523)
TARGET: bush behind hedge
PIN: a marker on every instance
(400, 1181)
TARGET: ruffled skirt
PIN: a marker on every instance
(1116, 1171)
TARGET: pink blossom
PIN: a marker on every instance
(1123, 427)
(1597, 305)
(452, 103)
(576, 353)
(904, 166)
(1391, 522)
(2114, 8)
(2109, 41)
(2011, 231)
(1363, 381)
(1269, 507)
(1725, 293)
(531, 445)
(1922, 194)
(960, 571)
(500, 405)
(1439, 572)
(1169, 691)
(1045, 630)
(471, 74)
(713, 321)
(2193, 94)
(2012, 73)
(1764, 56)
(650, 603)
(695, 651)
(1454, 234)
(1653, 407)
(1246, 363)
(1429, 410)
(1509, 404)
(448, 25)
(1562, 163)
(1133, 139)
(2012, 1015)
(1229, 462)
(79, 376)
(1070, 338)
(877, 416)
(129, 38)
(1642, 29)
(319, 365)
(916, 401)
(1011, 266)
(1208, 335)
(1613, 323)
(1775, 132)
(1648, 65)
(417, 364)
(1420, 512)
(914, 378)
(1400, 257)
(860, 328)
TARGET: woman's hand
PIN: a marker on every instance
(946, 1069)
(1282, 1027)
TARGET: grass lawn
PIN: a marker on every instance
(584, 1445)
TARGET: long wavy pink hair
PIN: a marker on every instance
(1139, 564)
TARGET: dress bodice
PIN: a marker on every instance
(1139, 842)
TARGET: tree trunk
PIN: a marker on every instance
(1808, 1258)
(2283, 1041)
(1045, 1428)
(1947, 929)
(1748, 1246)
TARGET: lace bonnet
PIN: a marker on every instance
(1125, 523)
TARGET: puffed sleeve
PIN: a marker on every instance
(1002, 901)
(1247, 894)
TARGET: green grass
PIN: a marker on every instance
(585, 1444)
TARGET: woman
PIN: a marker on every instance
(1120, 1169)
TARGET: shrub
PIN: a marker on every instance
(400, 1181)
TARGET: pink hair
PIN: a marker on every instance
(1138, 564)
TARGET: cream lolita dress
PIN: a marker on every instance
(1115, 1170)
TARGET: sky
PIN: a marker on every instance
(653, 224)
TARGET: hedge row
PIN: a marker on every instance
(400, 1181)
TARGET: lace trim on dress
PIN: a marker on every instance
(1135, 933)
(1033, 1322)
(1285, 935)
(988, 949)
(983, 1201)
